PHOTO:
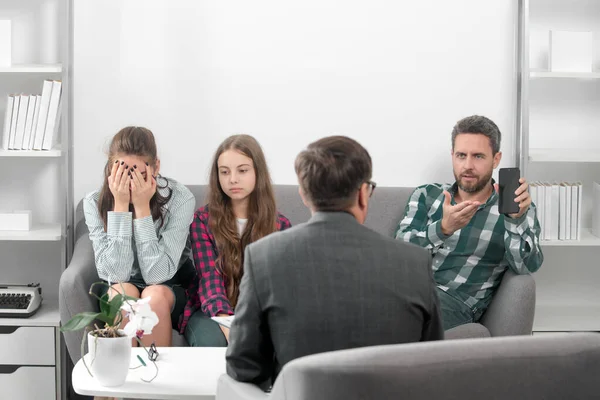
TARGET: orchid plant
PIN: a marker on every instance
(141, 319)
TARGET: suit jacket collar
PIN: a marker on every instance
(332, 216)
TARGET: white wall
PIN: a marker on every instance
(395, 76)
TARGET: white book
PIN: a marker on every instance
(533, 193)
(596, 209)
(579, 209)
(541, 195)
(21, 120)
(569, 205)
(562, 212)
(36, 114)
(13, 122)
(7, 120)
(574, 210)
(548, 211)
(224, 321)
(555, 210)
(43, 115)
(29, 122)
(52, 123)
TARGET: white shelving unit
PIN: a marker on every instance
(31, 153)
(564, 155)
(557, 141)
(47, 315)
(587, 239)
(32, 68)
(563, 75)
(40, 181)
(51, 233)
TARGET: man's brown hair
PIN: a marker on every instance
(331, 171)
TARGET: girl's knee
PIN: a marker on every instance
(123, 288)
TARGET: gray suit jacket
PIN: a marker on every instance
(325, 285)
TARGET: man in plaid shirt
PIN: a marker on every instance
(471, 244)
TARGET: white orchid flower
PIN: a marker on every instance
(141, 317)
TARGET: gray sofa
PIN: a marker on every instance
(547, 367)
(511, 312)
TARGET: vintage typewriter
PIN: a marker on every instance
(20, 301)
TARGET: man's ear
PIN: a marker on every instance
(363, 196)
(497, 159)
(303, 197)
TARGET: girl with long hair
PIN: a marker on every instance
(139, 227)
(241, 209)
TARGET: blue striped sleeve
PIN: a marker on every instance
(113, 252)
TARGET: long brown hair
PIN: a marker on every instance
(133, 141)
(262, 212)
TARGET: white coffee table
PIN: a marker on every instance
(184, 373)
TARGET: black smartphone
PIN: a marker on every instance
(508, 183)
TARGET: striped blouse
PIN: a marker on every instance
(141, 248)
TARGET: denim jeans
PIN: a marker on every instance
(455, 312)
(202, 331)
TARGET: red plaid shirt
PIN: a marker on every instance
(208, 293)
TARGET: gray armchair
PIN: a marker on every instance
(549, 367)
(510, 313)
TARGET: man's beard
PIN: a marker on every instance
(475, 187)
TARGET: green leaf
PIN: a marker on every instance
(80, 321)
(115, 306)
(106, 319)
(104, 304)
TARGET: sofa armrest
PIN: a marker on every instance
(73, 296)
(513, 306)
(230, 389)
(467, 331)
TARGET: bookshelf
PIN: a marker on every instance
(47, 315)
(49, 232)
(31, 153)
(564, 75)
(564, 155)
(587, 239)
(38, 180)
(558, 141)
(32, 69)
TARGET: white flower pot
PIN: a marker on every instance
(109, 359)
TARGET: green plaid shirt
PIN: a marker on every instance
(470, 263)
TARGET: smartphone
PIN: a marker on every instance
(508, 183)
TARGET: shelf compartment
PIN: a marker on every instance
(47, 315)
(587, 239)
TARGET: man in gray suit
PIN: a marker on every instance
(331, 283)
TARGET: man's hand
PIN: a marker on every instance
(521, 196)
(458, 216)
